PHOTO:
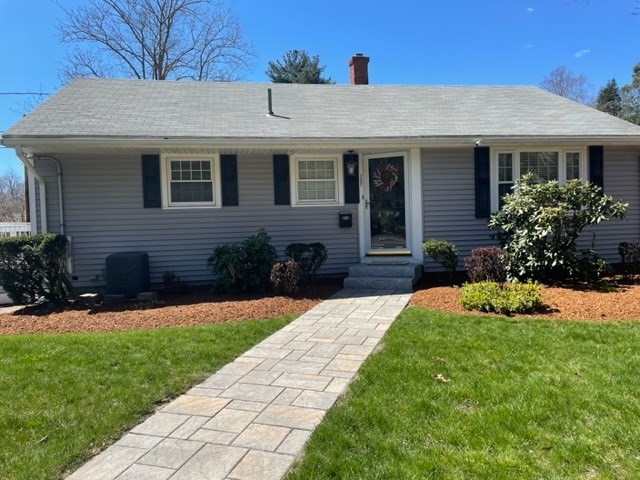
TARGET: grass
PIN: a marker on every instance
(64, 397)
(468, 397)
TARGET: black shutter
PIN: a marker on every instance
(229, 180)
(483, 190)
(596, 165)
(351, 182)
(281, 190)
(151, 193)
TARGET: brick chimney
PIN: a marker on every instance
(359, 70)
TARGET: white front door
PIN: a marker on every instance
(385, 205)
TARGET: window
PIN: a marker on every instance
(316, 181)
(505, 175)
(191, 181)
(572, 160)
(543, 165)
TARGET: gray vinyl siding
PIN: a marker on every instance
(621, 181)
(449, 202)
(104, 215)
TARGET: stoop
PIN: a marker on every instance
(384, 273)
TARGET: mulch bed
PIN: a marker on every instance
(200, 307)
(193, 308)
(622, 302)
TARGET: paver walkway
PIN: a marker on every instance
(251, 419)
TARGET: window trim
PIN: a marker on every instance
(165, 174)
(515, 152)
(293, 170)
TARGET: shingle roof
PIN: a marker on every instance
(143, 108)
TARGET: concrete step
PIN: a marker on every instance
(388, 283)
(411, 270)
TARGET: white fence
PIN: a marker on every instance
(14, 229)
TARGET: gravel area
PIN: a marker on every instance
(171, 310)
(622, 303)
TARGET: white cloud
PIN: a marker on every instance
(530, 9)
(528, 46)
(582, 53)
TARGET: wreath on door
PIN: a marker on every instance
(385, 177)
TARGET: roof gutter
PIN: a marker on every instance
(35, 142)
(26, 160)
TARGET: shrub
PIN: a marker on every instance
(443, 252)
(244, 267)
(504, 298)
(487, 264)
(539, 224)
(309, 257)
(285, 277)
(630, 257)
(172, 282)
(592, 267)
(34, 267)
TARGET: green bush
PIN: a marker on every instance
(309, 257)
(34, 267)
(630, 257)
(506, 298)
(487, 263)
(592, 267)
(539, 224)
(443, 252)
(285, 277)
(244, 267)
(172, 282)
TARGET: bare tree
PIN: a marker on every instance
(564, 83)
(12, 197)
(154, 39)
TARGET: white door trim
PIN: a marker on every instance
(364, 219)
(414, 205)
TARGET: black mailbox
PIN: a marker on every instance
(345, 219)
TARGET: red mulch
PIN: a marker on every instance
(569, 303)
(198, 307)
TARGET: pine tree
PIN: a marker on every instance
(609, 99)
(297, 67)
(630, 96)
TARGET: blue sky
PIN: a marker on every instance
(409, 42)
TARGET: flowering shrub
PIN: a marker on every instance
(538, 226)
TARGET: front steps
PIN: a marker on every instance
(385, 273)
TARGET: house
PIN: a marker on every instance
(176, 168)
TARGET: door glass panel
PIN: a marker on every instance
(386, 192)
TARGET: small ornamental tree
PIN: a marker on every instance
(539, 224)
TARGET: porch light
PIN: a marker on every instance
(352, 163)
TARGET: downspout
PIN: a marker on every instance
(41, 186)
(59, 175)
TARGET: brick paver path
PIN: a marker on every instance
(251, 419)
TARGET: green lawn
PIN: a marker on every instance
(65, 396)
(515, 399)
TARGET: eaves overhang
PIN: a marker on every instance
(37, 142)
